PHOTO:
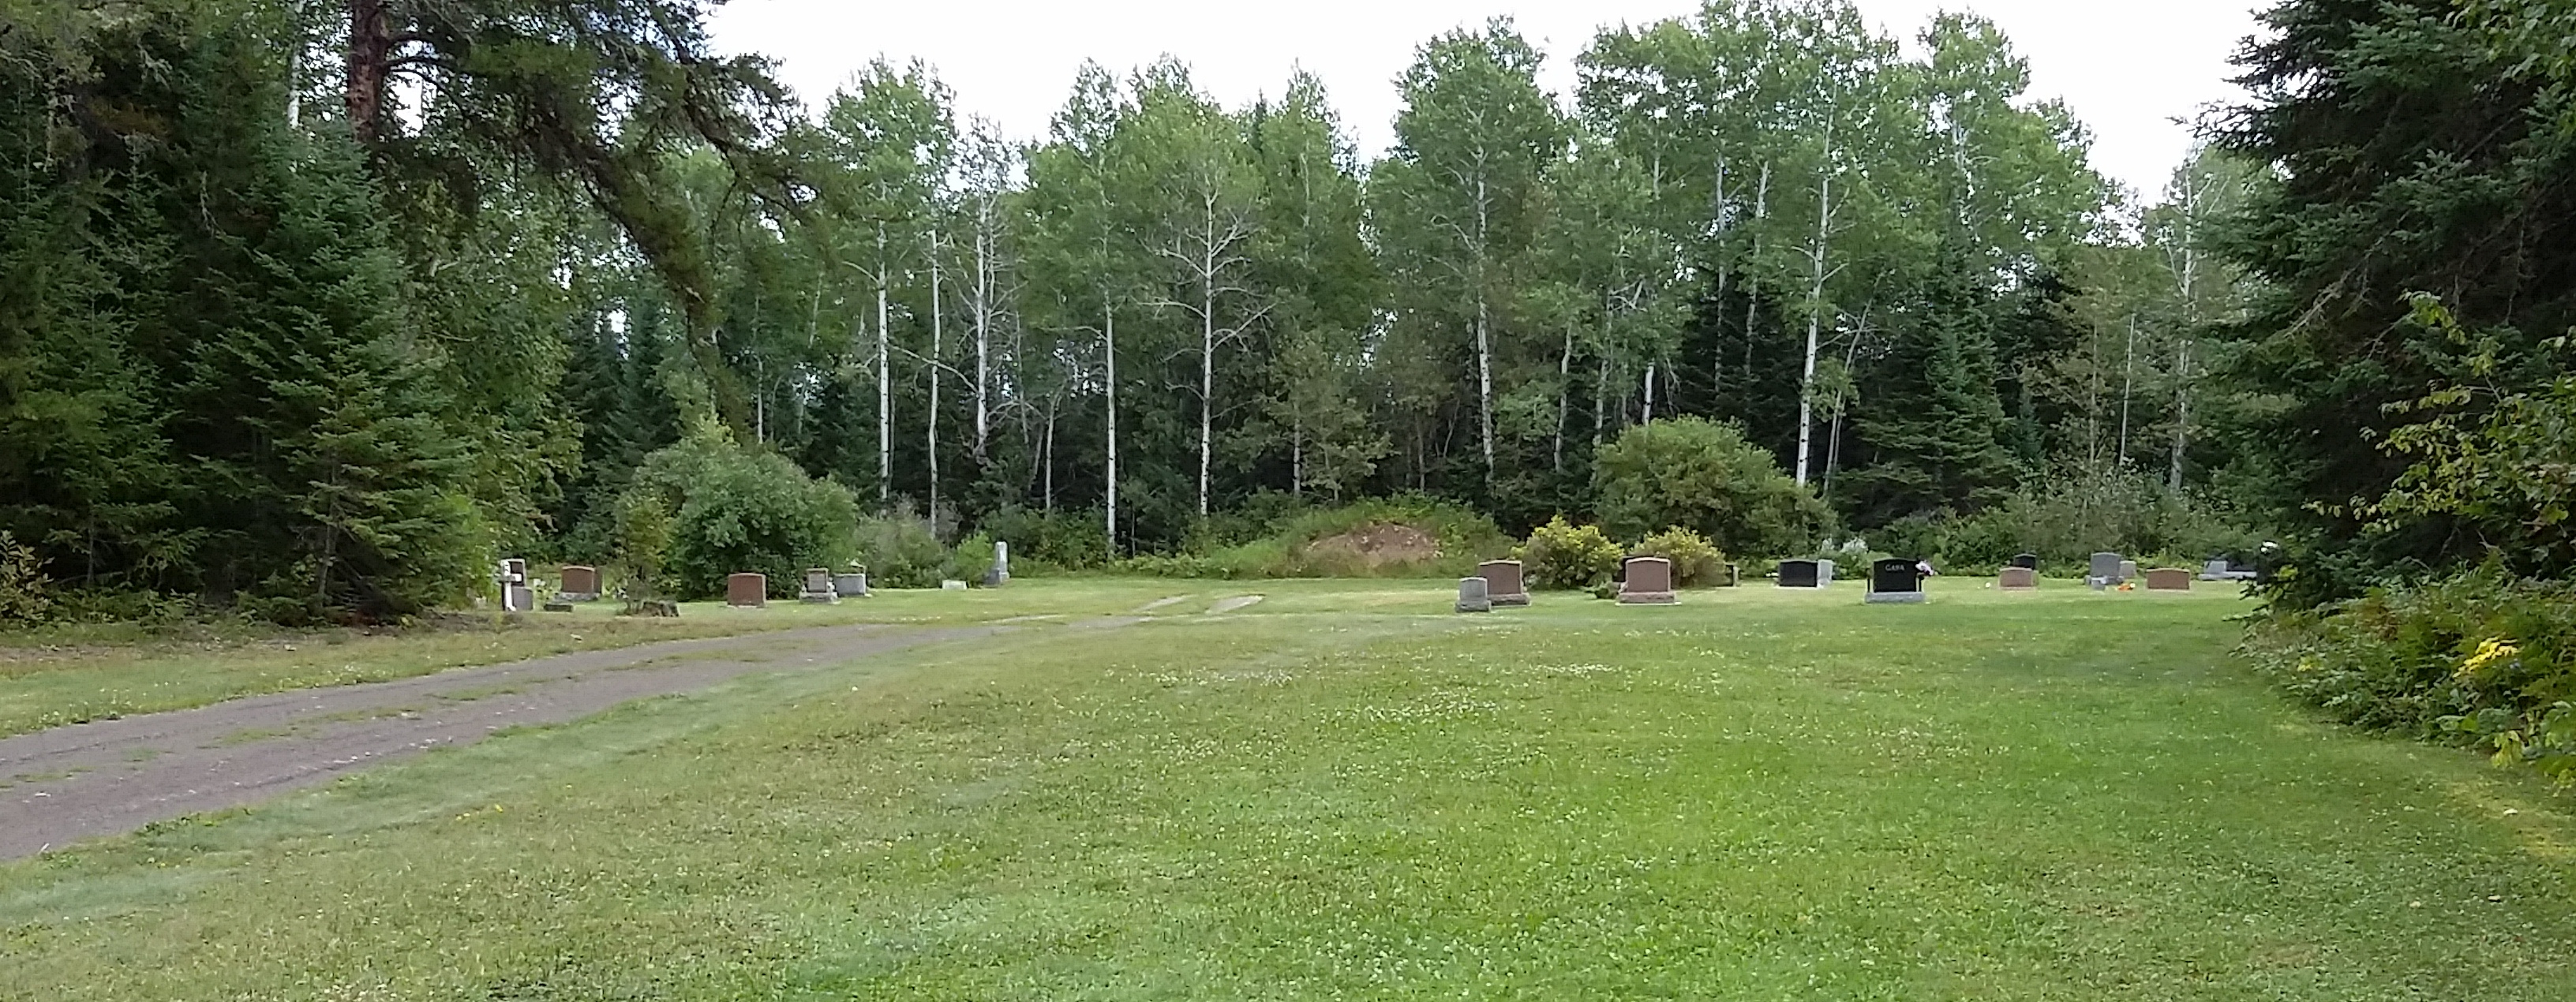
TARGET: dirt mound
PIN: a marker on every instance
(1378, 545)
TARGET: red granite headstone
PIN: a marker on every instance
(1650, 582)
(1503, 582)
(2168, 579)
(582, 583)
(747, 591)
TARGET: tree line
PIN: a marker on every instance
(324, 305)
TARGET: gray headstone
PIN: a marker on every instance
(853, 585)
(1472, 596)
(2105, 569)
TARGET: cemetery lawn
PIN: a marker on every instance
(79, 673)
(1345, 792)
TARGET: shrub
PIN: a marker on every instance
(22, 584)
(2479, 656)
(1565, 557)
(1404, 536)
(734, 510)
(1054, 540)
(1696, 564)
(1705, 477)
(901, 550)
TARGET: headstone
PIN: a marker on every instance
(2105, 571)
(851, 585)
(747, 591)
(2215, 570)
(952, 586)
(818, 587)
(2018, 579)
(580, 584)
(1896, 581)
(1730, 576)
(516, 593)
(1504, 585)
(2128, 571)
(1649, 582)
(1472, 596)
(1000, 573)
(2169, 579)
(1806, 573)
(2026, 561)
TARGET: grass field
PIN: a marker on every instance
(1345, 792)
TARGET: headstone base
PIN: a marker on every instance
(819, 598)
(1898, 598)
(576, 596)
(1648, 598)
(1512, 601)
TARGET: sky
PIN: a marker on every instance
(2132, 70)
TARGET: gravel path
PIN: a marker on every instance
(114, 776)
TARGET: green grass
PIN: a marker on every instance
(72, 675)
(1345, 792)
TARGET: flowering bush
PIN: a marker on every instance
(1565, 557)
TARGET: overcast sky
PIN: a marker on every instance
(2129, 68)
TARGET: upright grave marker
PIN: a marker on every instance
(2026, 561)
(1472, 596)
(1806, 573)
(2105, 572)
(851, 585)
(2018, 579)
(516, 594)
(1896, 581)
(580, 584)
(1649, 582)
(2169, 579)
(818, 587)
(747, 591)
(1000, 573)
(1504, 582)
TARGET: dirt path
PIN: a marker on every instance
(114, 776)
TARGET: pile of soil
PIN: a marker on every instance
(1379, 545)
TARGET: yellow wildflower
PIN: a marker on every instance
(2488, 653)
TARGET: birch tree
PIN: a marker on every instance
(1453, 203)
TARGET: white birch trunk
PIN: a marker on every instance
(1565, 397)
(885, 386)
(1207, 359)
(1484, 337)
(931, 439)
(1815, 312)
(1109, 350)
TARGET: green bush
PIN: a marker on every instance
(1705, 477)
(1561, 556)
(1050, 541)
(23, 599)
(734, 510)
(901, 550)
(1420, 537)
(2480, 656)
(1696, 563)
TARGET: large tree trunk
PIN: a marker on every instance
(371, 51)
